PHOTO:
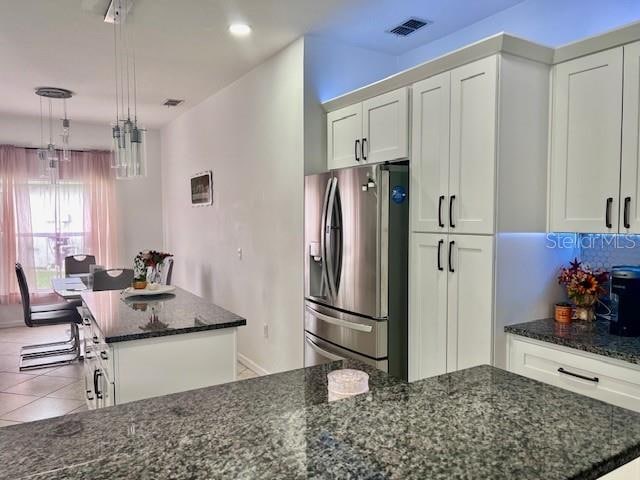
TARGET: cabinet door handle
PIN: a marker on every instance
(96, 376)
(451, 245)
(89, 395)
(608, 212)
(451, 199)
(627, 205)
(440, 243)
(577, 375)
(364, 149)
(440, 222)
(104, 355)
(357, 146)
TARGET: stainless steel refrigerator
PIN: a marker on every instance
(356, 243)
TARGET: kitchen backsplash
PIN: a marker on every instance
(605, 251)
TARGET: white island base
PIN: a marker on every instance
(133, 370)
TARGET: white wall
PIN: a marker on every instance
(139, 216)
(332, 68)
(250, 135)
(550, 22)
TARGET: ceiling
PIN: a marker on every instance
(183, 49)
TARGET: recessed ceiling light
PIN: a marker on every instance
(240, 29)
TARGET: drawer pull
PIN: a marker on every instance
(577, 375)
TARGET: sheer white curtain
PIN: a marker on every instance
(45, 221)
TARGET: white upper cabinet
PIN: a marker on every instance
(470, 301)
(385, 127)
(473, 147)
(430, 154)
(373, 131)
(344, 135)
(585, 143)
(630, 178)
(454, 150)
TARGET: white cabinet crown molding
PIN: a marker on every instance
(501, 42)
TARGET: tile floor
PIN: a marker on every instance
(48, 392)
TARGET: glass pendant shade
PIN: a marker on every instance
(115, 146)
(66, 131)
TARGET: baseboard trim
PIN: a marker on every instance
(17, 323)
(247, 362)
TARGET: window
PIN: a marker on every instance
(57, 227)
(43, 222)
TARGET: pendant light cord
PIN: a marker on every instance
(115, 61)
(41, 125)
(50, 123)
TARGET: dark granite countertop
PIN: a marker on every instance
(174, 313)
(480, 423)
(591, 337)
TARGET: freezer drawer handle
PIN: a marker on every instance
(323, 352)
(577, 375)
(339, 322)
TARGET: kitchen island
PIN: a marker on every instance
(480, 423)
(140, 347)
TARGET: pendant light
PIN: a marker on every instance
(128, 138)
(48, 154)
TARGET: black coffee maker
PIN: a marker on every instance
(625, 301)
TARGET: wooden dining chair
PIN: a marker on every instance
(77, 264)
(112, 279)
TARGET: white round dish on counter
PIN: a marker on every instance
(151, 289)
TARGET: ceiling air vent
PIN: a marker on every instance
(408, 27)
(172, 102)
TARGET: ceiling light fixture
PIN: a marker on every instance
(128, 139)
(239, 29)
(48, 154)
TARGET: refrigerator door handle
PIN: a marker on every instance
(339, 322)
(322, 352)
(323, 243)
(327, 234)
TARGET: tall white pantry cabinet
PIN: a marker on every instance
(478, 170)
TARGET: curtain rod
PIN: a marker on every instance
(71, 150)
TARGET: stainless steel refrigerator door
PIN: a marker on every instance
(317, 352)
(358, 334)
(357, 246)
(316, 198)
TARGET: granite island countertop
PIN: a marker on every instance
(480, 423)
(593, 337)
(136, 318)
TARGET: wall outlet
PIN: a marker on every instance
(239, 254)
(265, 330)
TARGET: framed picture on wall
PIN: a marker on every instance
(202, 189)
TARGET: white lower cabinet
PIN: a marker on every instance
(595, 376)
(630, 471)
(121, 372)
(451, 303)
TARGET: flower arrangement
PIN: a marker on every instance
(584, 287)
(144, 261)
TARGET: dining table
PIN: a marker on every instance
(70, 287)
